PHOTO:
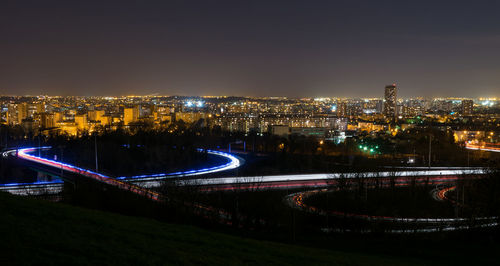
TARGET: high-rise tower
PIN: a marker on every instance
(390, 104)
(22, 112)
(467, 107)
(130, 115)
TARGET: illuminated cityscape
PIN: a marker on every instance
(249, 132)
(328, 119)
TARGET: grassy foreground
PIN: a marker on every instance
(38, 232)
(44, 233)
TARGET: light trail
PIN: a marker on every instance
(56, 186)
(24, 154)
(296, 200)
(142, 183)
(309, 179)
(320, 183)
(27, 188)
(33, 189)
(483, 147)
(233, 163)
(294, 180)
(237, 183)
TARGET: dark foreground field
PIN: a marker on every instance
(39, 232)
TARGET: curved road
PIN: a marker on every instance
(121, 182)
(141, 183)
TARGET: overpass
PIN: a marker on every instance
(71, 172)
(75, 172)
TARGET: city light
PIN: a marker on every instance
(368, 148)
(250, 132)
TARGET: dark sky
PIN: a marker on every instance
(250, 48)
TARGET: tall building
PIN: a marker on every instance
(11, 114)
(106, 120)
(96, 115)
(342, 109)
(467, 107)
(40, 107)
(58, 117)
(47, 120)
(81, 122)
(130, 115)
(22, 112)
(390, 105)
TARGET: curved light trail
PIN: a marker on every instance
(56, 186)
(233, 163)
(296, 200)
(27, 188)
(238, 183)
(310, 180)
(24, 154)
(140, 184)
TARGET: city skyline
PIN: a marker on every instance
(380, 97)
(384, 96)
(249, 132)
(262, 48)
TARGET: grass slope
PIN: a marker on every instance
(39, 232)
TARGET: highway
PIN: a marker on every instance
(308, 180)
(297, 200)
(142, 184)
(53, 187)
(25, 154)
(419, 225)
(270, 182)
(33, 189)
(492, 147)
(234, 162)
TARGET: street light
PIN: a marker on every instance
(95, 148)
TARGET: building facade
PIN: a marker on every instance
(467, 107)
(390, 104)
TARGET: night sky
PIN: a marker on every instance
(250, 48)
